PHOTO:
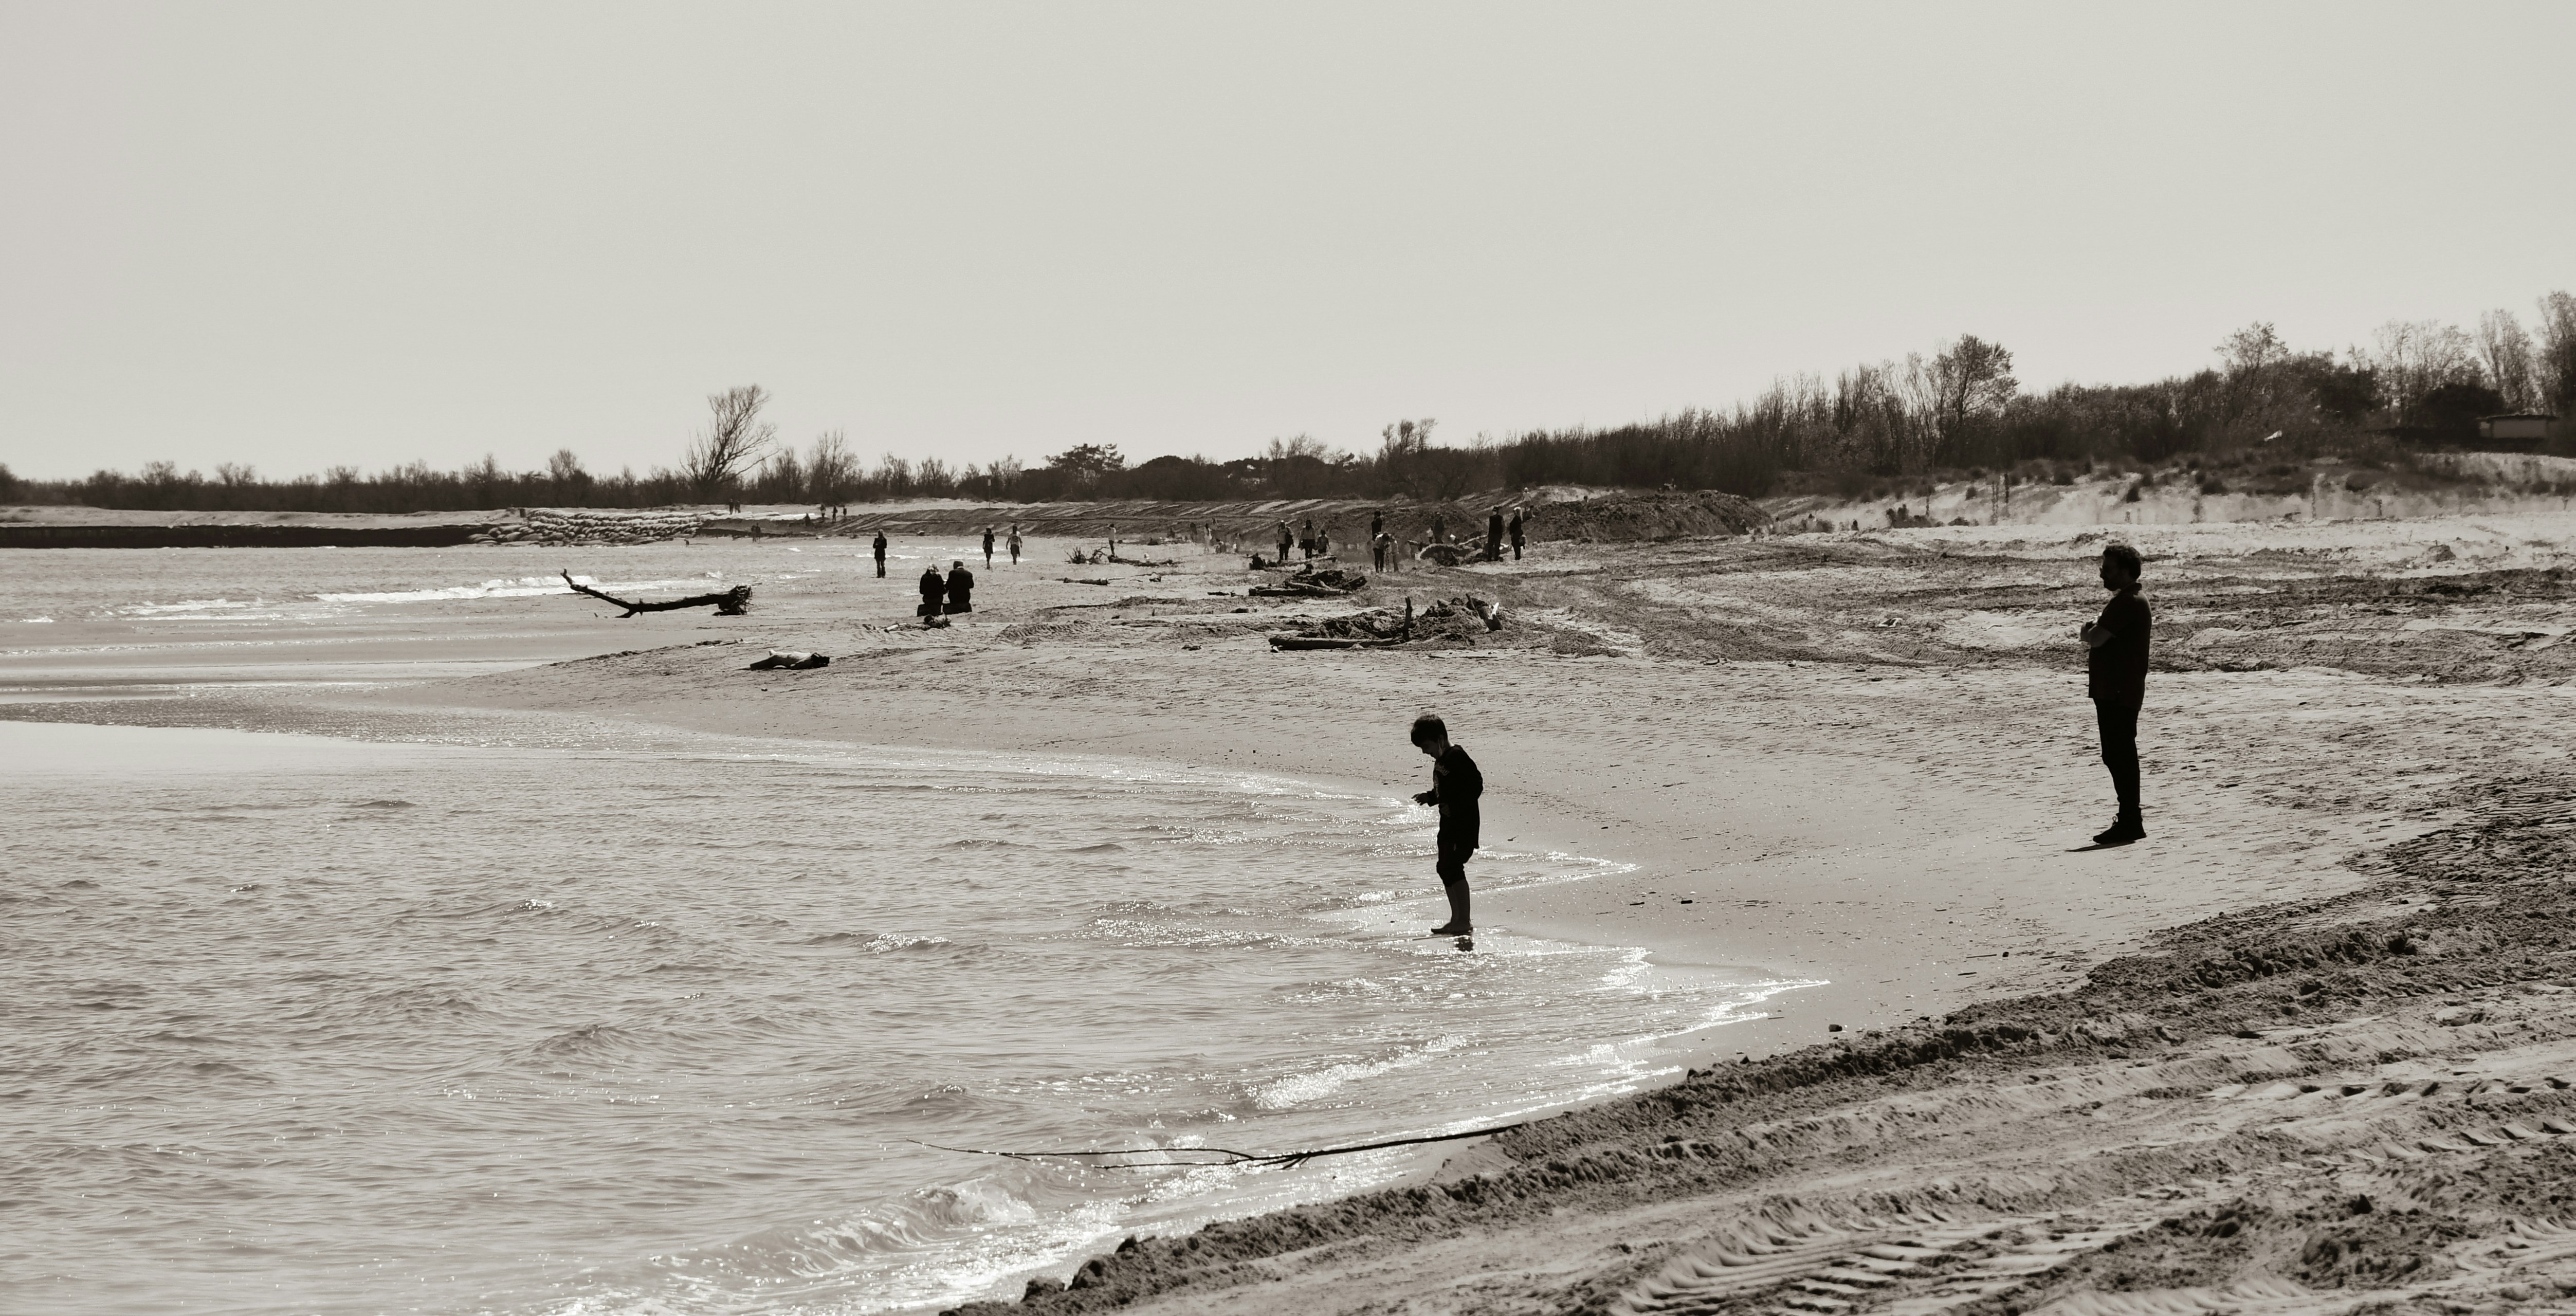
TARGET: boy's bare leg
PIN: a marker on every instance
(1453, 880)
(1459, 924)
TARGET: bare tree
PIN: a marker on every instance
(572, 483)
(831, 470)
(2505, 350)
(734, 440)
(2414, 357)
(2554, 363)
(2252, 350)
(1972, 379)
(234, 475)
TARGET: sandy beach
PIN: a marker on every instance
(1863, 763)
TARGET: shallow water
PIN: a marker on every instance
(153, 621)
(524, 1018)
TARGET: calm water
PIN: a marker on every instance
(647, 1023)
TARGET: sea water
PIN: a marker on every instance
(460, 1015)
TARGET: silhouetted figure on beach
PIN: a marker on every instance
(932, 588)
(1455, 787)
(1113, 541)
(1377, 523)
(1440, 529)
(988, 548)
(1015, 545)
(2116, 677)
(1515, 529)
(1494, 535)
(961, 588)
(1379, 543)
(880, 546)
(1286, 537)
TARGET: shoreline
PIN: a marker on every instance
(1860, 758)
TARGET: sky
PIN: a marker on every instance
(298, 235)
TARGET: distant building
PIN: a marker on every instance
(2516, 429)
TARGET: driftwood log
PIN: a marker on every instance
(732, 603)
(1329, 642)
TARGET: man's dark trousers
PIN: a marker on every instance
(2119, 722)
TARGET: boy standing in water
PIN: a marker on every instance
(2116, 677)
(1455, 786)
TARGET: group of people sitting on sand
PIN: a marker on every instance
(941, 598)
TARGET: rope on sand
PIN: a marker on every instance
(1288, 1160)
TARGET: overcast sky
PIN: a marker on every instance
(298, 235)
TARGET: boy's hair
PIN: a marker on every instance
(2127, 558)
(1427, 726)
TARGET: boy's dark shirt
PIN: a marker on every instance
(961, 583)
(2116, 670)
(1455, 784)
(932, 586)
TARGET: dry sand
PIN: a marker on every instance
(2155, 1078)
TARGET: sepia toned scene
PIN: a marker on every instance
(1396, 660)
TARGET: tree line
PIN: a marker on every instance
(1958, 407)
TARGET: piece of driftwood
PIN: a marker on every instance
(1447, 555)
(794, 660)
(1327, 642)
(732, 603)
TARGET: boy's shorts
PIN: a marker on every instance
(1452, 864)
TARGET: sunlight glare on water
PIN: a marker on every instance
(312, 1024)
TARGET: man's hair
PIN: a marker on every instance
(1428, 726)
(2127, 558)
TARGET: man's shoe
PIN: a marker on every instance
(1451, 930)
(2122, 832)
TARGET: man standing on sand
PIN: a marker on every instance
(1515, 528)
(880, 555)
(1455, 788)
(988, 548)
(1378, 544)
(2115, 672)
(1015, 543)
(1286, 537)
(1494, 535)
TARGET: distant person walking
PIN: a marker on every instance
(1456, 785)
(1379, 543)
(961, 588)
(1015, 545)
(1494, 535)
(1515, 529)
(2115, 672)
(1286, 537)
(1377, 523)
(932, 588)
(988, 548)
(880, 547)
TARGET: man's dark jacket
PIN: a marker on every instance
(2115, 672)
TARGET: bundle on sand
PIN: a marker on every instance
(1310, 583)
(546, 525)
(731, 603)
(1458, 620)
(1629, 517)
(794, 660)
